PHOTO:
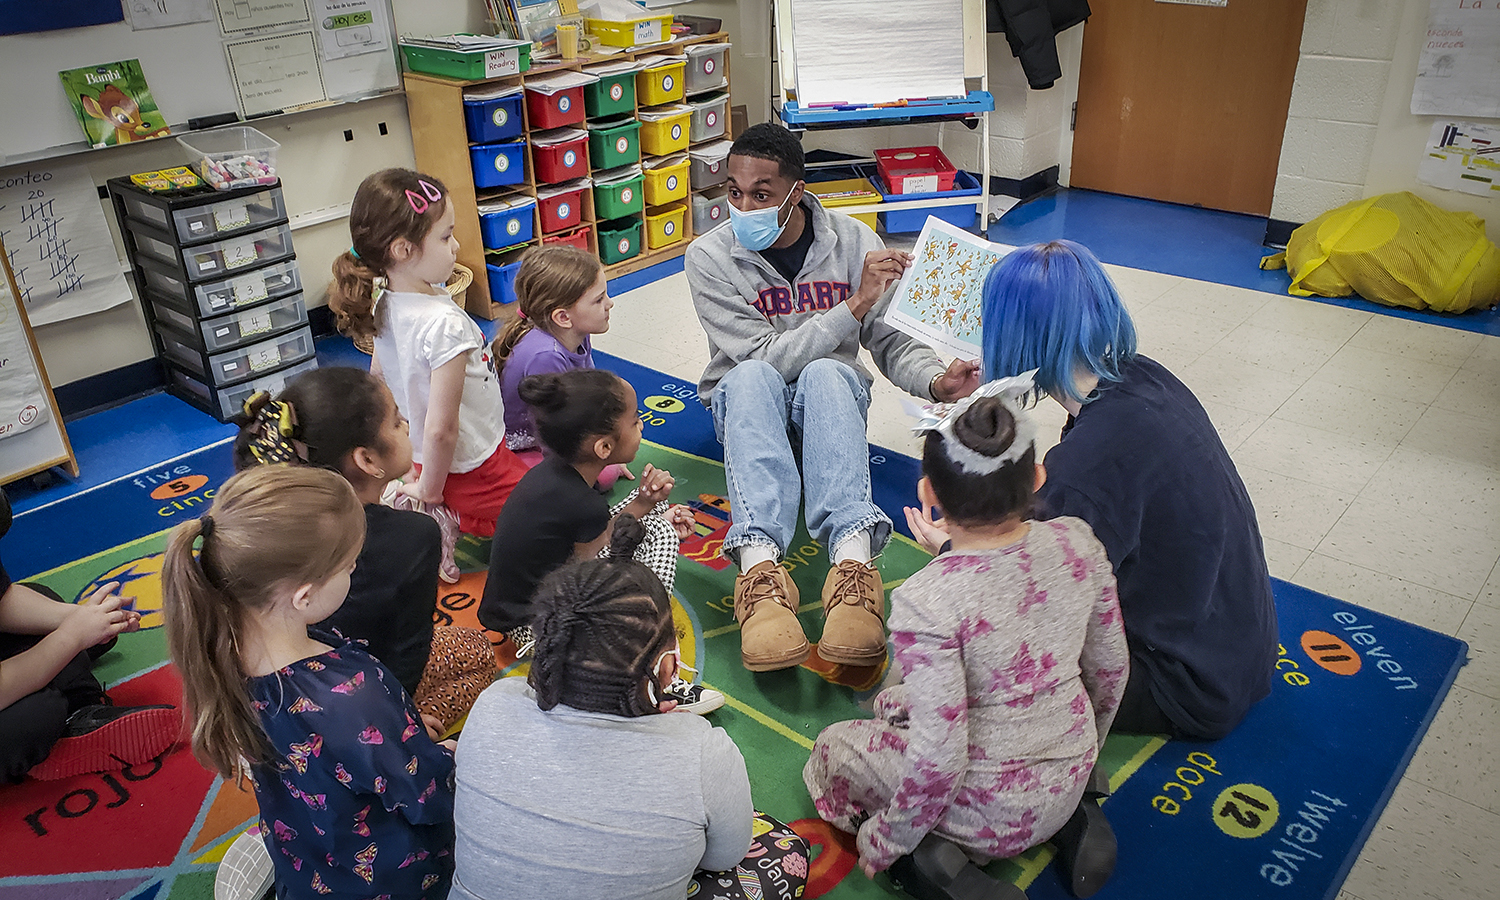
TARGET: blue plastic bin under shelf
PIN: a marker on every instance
(496, 165)
(903, 221)
(495, 119)
(503, 281)
(507, 227)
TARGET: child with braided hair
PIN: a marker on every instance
(1013, 660)
(557, 793)
(346, 420)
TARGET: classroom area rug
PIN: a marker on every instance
(1279, 809)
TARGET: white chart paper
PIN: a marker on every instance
(144, 14)
(1458, 73)
(248, 15)
(350, 27)
(23, 404)
(940, 298)
(58, 242)
(858, 52)
(1462, 156)
(272, 74)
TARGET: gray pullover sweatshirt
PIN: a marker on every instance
(749, 311)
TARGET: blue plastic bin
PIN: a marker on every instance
(508, 227)
(503, 281)
(911, 220)
(497, 119)
(496, 165)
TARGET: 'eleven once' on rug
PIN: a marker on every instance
(1279, 808)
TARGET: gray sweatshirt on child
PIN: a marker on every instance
(749, 311)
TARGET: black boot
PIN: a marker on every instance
(1086, 849)
(939, 870)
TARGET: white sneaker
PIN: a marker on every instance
(693, 698)
(246, 872)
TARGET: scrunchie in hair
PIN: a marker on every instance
(274, 432)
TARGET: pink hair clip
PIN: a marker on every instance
(419, 203)
(520, 313)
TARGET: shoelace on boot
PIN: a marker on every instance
(758, 587)
(855, 584)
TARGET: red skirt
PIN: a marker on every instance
(478, 495)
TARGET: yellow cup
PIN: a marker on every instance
(567, 41)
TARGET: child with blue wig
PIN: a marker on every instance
(1141, 463)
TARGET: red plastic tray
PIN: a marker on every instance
(910, 170)
(579, 238)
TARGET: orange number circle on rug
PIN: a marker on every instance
(1331, 652)
(833, 854)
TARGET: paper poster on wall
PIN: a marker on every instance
(23, 405)
(349, 27)
(58, 242)
(145, 14)
(249, 15)
(1462, 156)
(939, 299)
(1458, 72)
(274, 74)
(860, 53)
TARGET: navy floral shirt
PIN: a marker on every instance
(356, 800)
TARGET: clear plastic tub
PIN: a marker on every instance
(240, 363)
(236, 328)
(709, 165)
(198, 223)
(226, 402)
(218, 297)
(710, 117)
(709, 211)
(233, 157)
(705, 67)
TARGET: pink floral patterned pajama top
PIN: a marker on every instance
(1014, 661)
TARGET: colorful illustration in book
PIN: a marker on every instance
(113, 103)
(940, 297)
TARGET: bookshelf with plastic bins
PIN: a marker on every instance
(441, 144)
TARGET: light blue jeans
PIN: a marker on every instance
(757, 417)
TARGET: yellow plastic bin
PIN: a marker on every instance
(630, 32)
(665, 225)
(667, 183)
(848, 192)
(667, 135)
(660, 84)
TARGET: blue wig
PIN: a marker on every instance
(1051, 307)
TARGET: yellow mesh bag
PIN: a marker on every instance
(1395, 249)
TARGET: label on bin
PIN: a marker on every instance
(616, 91)
(708, 65)
(677, 131)
(206, 262)
(712, 118)
(239, 253)
(626, 194)
(564, 210)
(622, 145)
(255, 323)
(502, 62)
(513, 227)
(623, 246)
(249, 289)
(919, 184)
(715, 211)
(570, 159)
(671, 182)
(564, 103)
(231, 216)
(669, 229)
(500, 116)
(648, 32)
(265, 358)
(502, 162)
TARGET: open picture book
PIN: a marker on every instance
(940, 298)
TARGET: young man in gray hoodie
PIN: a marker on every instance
(787, 295)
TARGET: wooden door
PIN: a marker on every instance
(1186, 103)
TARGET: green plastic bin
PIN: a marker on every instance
(620, 239)
(619, 199)
(470, 65)
(619, 144)
(610, 95)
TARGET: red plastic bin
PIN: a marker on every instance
(555, 110)
(915, 170)
(561, 162)
(562, 211)
(579, 238)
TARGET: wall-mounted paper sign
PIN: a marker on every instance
(273, 74)
(250, 15)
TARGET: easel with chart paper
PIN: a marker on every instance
(32, 437)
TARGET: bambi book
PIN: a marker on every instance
(113, 103)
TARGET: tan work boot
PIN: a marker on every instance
(854, 615)
(765, 605)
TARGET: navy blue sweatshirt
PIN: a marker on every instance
(1143, 465)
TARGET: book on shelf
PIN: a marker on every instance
(113, 103)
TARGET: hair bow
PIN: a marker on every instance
(1012, 393)
(273, 433)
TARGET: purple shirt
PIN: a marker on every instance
(536, 353)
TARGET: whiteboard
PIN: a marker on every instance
(185, 66)
(35, 440)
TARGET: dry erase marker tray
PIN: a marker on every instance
(224, 332)
(226, 402)
(214, 298)
(852, 115)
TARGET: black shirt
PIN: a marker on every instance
(550, 511)
(1143, 465)
(788, 261)
(393, 591)
(5, 520)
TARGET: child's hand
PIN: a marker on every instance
(434, 727)
(656, 485)
(929, 533)
(625, 472)
(451, 745)
(682, 520)
(99, 617)
(413, 489)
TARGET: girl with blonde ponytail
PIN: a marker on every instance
(330, 740)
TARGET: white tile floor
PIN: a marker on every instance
(1371, 447)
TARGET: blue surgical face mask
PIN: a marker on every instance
(758, 229)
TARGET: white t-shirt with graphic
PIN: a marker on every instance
(419, 333)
